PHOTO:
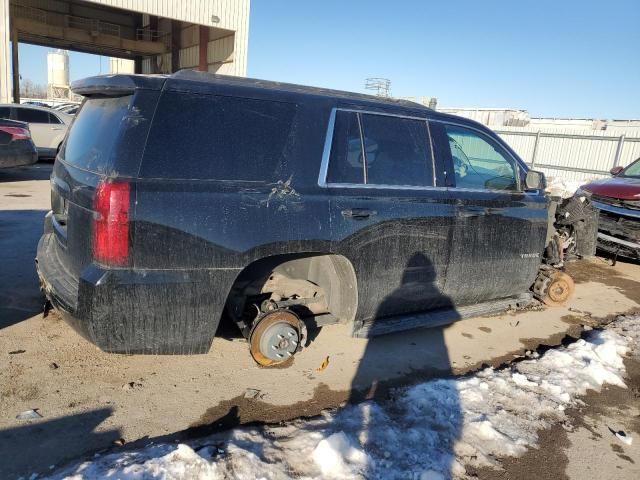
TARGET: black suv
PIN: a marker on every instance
(179, 201)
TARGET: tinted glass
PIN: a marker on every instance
(632, 170)
(5, 112)
(397, 151)
(346, 165)
(53, 118)
(480, 163)
(94, 133)
(220, 138)
(31, 115)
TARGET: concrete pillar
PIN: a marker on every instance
(176, 31)
(5, 54)
(203, 63)
(153, 25)
(15, 65)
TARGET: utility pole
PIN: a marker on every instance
(382, 86)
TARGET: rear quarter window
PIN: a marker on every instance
(32, 115)
(94, 132)
(219, 138)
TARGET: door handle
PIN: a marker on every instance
(358, 213)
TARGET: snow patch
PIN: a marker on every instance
(337, 457)
(430, 431)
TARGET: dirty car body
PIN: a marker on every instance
(16, 146)
(181, 201)
(618, 200)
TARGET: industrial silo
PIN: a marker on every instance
(58, 74)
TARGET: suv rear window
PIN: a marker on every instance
(94, 133)
(218, 138)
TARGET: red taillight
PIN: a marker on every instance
(17, 133)
(111, 223)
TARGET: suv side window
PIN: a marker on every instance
(396, 151)
(32, 115)
(5, 112)
(54, 119)
(480, 163)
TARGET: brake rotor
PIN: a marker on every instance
(559, 289)
(276, 337)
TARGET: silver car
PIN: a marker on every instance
(48, 127)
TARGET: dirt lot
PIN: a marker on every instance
(90, 399)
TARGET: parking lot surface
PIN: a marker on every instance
(89, 399)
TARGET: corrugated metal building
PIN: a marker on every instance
(160, 36)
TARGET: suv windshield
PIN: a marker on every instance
(94, 132)
(632, 170)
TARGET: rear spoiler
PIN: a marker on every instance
(116, 85)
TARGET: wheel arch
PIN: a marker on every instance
(334, 274)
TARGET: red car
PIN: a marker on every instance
(618, 200)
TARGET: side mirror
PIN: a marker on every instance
(535, 180)
(616, 170)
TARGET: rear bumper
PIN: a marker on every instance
(136, 311)
(47, 152)
(17, 157)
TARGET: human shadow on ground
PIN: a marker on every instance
(41, 443)
(417, 434)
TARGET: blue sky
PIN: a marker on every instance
(554, 58)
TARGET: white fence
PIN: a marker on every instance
(574, 155)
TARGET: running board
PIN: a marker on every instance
(439, 317)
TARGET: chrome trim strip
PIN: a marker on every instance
(433, 156)
(365, 173)
(324, 165)
(384, 114)
(626, 243)
(623, 212)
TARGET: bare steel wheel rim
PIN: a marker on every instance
(276, 337)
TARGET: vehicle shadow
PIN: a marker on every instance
(373, 381)
(37, 171)
(34, 447)
(20, 296)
